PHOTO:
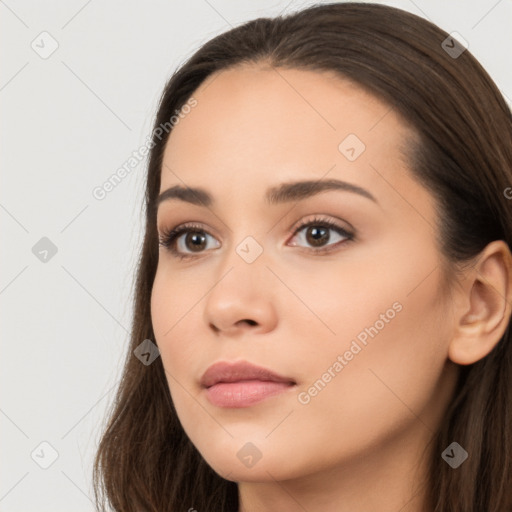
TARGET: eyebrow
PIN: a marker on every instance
(286, 192)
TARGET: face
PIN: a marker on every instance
(338, 290)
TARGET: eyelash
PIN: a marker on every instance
(169, 236)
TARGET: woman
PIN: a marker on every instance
(326, 273)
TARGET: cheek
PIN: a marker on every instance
(391, 311)
(391, 333)
(169, 311)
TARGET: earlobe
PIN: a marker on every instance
(483, 319)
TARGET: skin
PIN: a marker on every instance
(362, 442)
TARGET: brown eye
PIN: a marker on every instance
(194, 240)
(316, 234)
(185, 240)
(190, 240)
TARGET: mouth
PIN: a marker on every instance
(242, 384)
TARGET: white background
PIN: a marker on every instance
(68, 123)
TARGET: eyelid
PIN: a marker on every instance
(323, 218)
(326, 221)
(169, 237)
(313, 217)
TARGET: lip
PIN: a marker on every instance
(242, 384)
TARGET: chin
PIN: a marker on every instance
(239, 465)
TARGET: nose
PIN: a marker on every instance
(242, 299)
(239, 325)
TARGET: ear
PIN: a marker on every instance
(485, 308)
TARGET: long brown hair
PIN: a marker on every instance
(145, 461)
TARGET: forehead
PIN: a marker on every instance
(255, 126)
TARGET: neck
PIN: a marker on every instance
(387, 479)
